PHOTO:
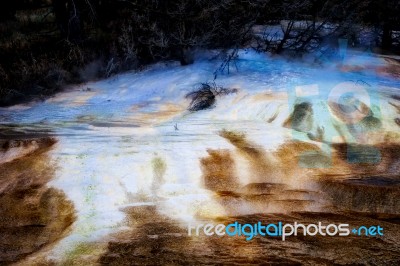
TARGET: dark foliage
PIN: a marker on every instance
(205, 96)
(45, 44)
(201, 99)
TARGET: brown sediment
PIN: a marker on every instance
(372, 195)
(149, 242)
(268, 187)
(163, 113)
(159, 168)
(228, 193)
(219, 172)
(349, 68)
(263, 188)
(299, 158)
(397, 107)
(262, 97)
(273, 117)
(296, 157)
(17, 148)
(157, 240)
(391, 69)
(263, 168)
(298, 165)
(32, 214)
(73, 98)
(369, 123)
(391, 137)
(367, 160)
(363, 178)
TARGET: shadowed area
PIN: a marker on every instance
(369, 194)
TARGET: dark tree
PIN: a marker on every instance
(68, 18)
